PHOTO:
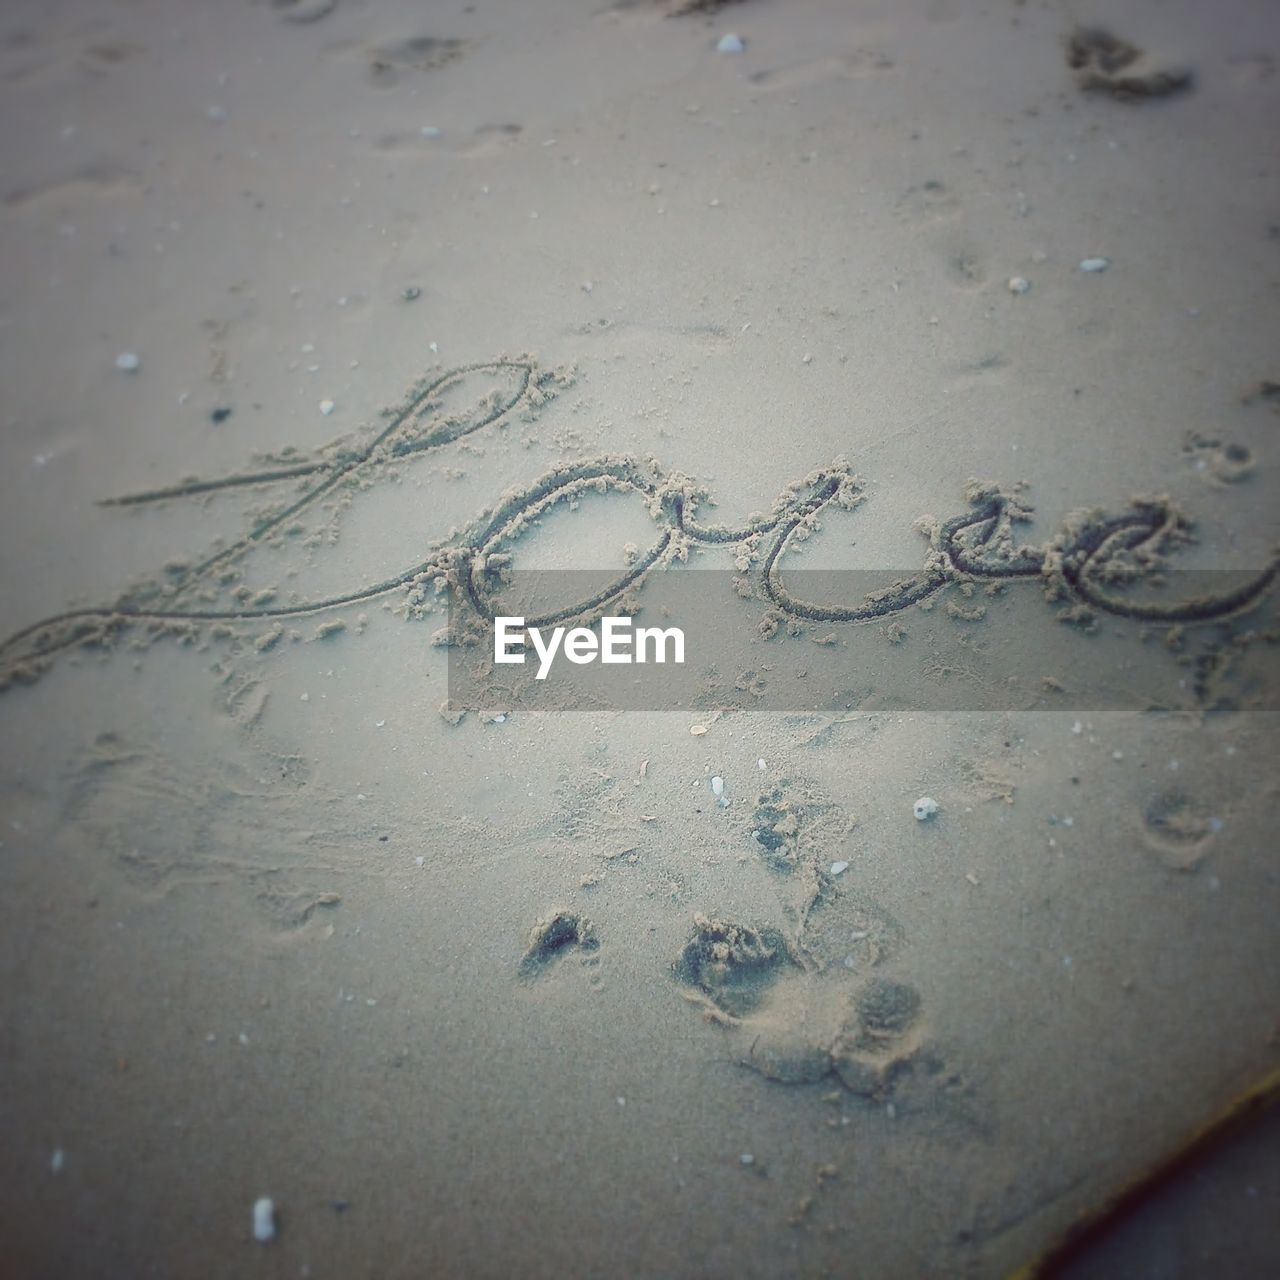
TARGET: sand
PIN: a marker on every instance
(437, 308)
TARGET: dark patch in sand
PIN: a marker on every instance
(552, 936)
(1104, 63)
(1178, 829)
(417, 53)
(881, 1039)
(732, 964)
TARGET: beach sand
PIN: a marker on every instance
(298, 901)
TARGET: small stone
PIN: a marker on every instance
(264, 1219)
(128, 362)
(717, 786)
(411, 293)
(839, 868)
(56, 1161)
(327, 407)
(730, 44)
(1094, 265)
(747, 1158)
(429, 131)
(1019, 284)
(924, 808)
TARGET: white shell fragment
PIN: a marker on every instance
(1094, 265)
(717, 790)
(924, 808)
(264, 1219)
(327, 407)
(730, 44)
(838, 868)
(128, 362)
(1019, 284)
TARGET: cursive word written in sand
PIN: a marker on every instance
(617, 642)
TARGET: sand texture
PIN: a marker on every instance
(918, 357)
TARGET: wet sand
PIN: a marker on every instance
(299, 900)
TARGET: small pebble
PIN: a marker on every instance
(264, 1219)
(730, 44)
(760, 764)
(411, 293)
(838, 868)
(1019, 284)
(924, 808)
(747, 1158)
(1094, 265)
(717, 786)
(327, 407)
(128, 362)
(57, 1161)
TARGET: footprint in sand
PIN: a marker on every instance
(1179, 829)
(733, 965)
(796, 1024)
(386, 62)
(966, 270)
(932, 201)
(555, 935)
(1217, 461)
(1105, 63)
